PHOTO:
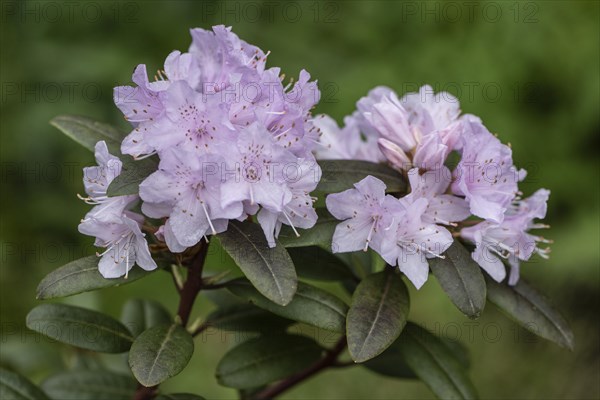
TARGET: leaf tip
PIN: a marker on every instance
(474, 315)
(569, 343)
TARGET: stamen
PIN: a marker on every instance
(137, 158)
(375, 220)
(214, 231)
(291, 224)
(283, 133)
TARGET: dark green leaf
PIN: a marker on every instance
(139, 315)
(310, 305)
(160, 353)
(434, 363)
(222, 298)
(458, 350)
(245, 318)
(90, 385)
(270, 270)
(16, 387)
(361, 262)
(532, 310)
(319, 235)
(266, 359)
(339, 175)
(132, 174)
(350, 285)
(178, 396)
(461, 279)
(315, 263)
(80, 327)
(81, 276)
(390, 363)
(88, 132)
(377, 314)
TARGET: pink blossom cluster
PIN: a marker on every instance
(415, 135)
(232, 140)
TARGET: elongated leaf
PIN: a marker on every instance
(88, 132)
(390, 363)
(361, 262)
(458, 350)
(132, 174)
(81, 276)
(178, 396)
(319, 235)
(90, 385)
(461, 279)
(315, 263)
(160, 353)
(246, 318)
(271, 271)
(139, 315)
(16, 387)
(310, 305)
(532, 310)
(377, 315)
(80, 327)
(266, 359)
(434, 363)
(339, 175)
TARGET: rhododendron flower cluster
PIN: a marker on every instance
(478, 199)
(224, 154)
(232, 141)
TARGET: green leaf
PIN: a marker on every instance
(532, 310)
(87, 132)
(377, 314)
(434, 363)
(270, 270)
(458, 350)
(246, 318)
(139, 315)
(315, 263)
(90, 385)
(319, 235)
(160, 353)
(266, 359)
(132, 174)
(390, 363)
(339, 175)
(361, 262)
(16, 387)
(461, 279)
(310, 305)
(80, 327)
(178, 396)
(81, 276)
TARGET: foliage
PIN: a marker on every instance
(374, 325)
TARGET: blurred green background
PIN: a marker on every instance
(529, 69)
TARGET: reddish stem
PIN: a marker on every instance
(193, 284)
(330, 360)
(188, 294)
